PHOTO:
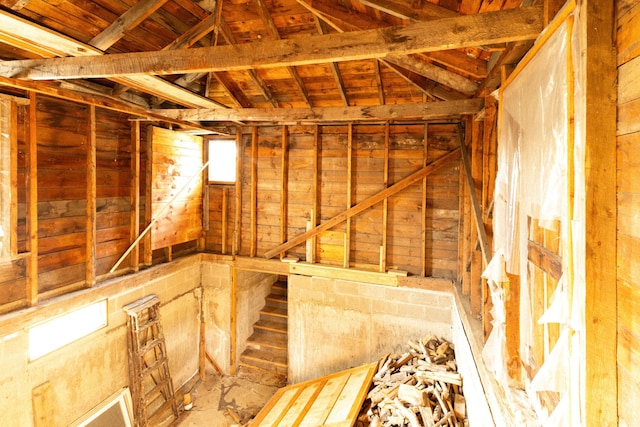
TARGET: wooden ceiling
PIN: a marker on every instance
(241, 61)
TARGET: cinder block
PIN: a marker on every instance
(441, 315)
(425, 298)
(414, 311)
(397, 294)
(348, 288)
(384, 307)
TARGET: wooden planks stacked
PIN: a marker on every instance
(418, 388)
(331, 400)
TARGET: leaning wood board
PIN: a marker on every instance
(333, 400)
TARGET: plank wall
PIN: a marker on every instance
(76, 243)
(628, 205)
(348, 162)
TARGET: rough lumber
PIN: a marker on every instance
(93, 99)
(90, 262)
(418, 388)
(365, 204)
(424, 111)
(130, 19)
(427, 11)
(443, 34)
(477, 211)
(48, 43)
(598, 60)
(32, 204)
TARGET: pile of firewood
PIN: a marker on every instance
(420, 388)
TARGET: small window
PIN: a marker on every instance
(62, 330)
(222, 161)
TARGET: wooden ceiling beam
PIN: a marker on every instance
(265, 14)
(401, 9)
(43, 41)
(99, 100)
(435, 73)
(226, 32)
(406, 74)
(342, 19)
(194, 34)
(444, 34)
(125, 22)
(423, 111)
(322, 29)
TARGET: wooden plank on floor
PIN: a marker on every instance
(334, 399)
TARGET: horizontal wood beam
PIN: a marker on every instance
(43, 41)
(442, 34)
(99, 101)
(543, 258)
(343, 273)
(125, 22)
(365, 204)
(422, 111)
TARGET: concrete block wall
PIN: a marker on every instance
(337, 324)
(82, 374)
(216, 308)
(251, 290)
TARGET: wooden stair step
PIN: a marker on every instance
(280, 288)
(281, 299)
(268, 324)
(264, 338)
(269, 359)
(272, 310)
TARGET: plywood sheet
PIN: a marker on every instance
(330, 400)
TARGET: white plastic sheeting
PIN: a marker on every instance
(537, 150)
(494, 352)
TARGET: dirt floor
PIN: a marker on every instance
(218, 399)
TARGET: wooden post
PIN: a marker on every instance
(32, 204)
(598, 64)
(347, 234)
(385, 202)
(234, 321)
(254, 192)
(9, 112)
(90, 259)
(135, 193)
(480, 291)
(202, 241)
(423, 245)
(223, 233)
(202, 366)
(313, 215)
(148, 251)
(238, 189)
(284, 186)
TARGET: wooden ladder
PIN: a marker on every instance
(151, 385)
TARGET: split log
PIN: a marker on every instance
(420, 388)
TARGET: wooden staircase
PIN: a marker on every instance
(267, 346)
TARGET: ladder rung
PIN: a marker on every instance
(150, 345)
(153, 367)
(151, 395)
(146, 325)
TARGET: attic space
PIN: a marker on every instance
(320, 197)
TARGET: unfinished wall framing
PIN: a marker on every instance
(331, 168)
